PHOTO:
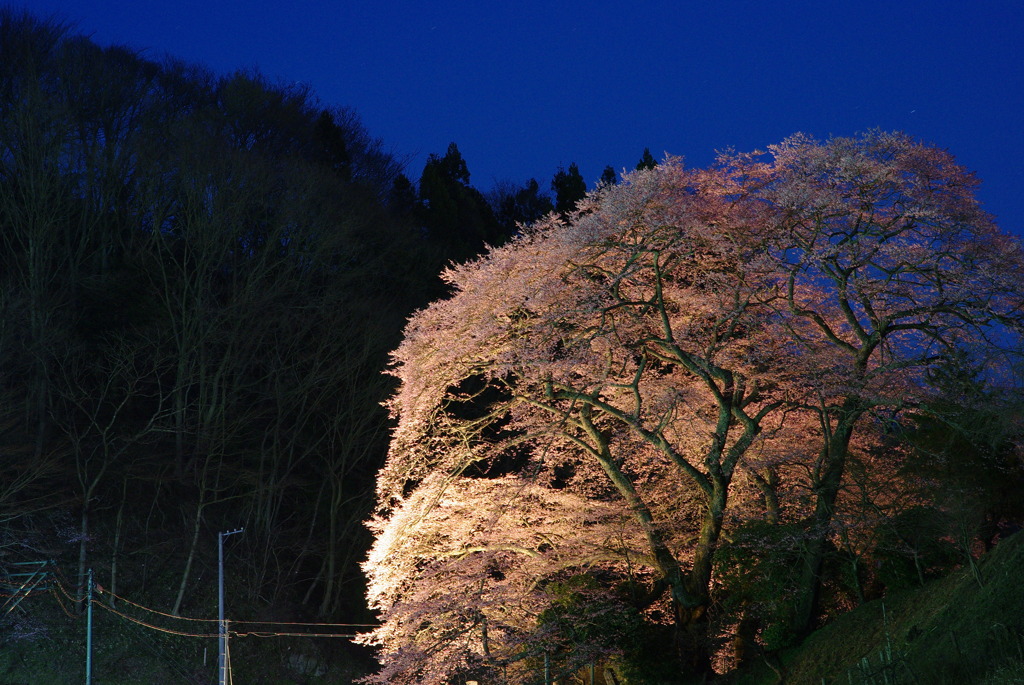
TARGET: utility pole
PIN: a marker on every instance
(88, 632)
(223, 626)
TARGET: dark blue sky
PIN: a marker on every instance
(525, 86)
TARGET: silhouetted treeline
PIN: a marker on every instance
(200, 279)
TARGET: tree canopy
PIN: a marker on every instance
(688, 353)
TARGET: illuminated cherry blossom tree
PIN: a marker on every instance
(619, 357)
(625, 367)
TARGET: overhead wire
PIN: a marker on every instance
(71, 601)
(58, 588)
(147, 624)
(60, 603)
(265, 633)
(102, 590)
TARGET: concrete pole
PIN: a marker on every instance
(222, 670)
(88, 631)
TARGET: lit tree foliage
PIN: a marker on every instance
(476, 555)
(620, 356)
(676, 335)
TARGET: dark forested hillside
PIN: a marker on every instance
(200, 278)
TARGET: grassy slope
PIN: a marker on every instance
(954, 630)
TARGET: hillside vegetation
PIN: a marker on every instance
(953, 630)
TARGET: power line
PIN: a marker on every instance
(272, 628)
(140, 622)
(235, 633)
(60, 602)
(102, 590)
(136, 617)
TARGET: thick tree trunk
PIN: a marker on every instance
(744, 639)
(694, 619)
(829, 482)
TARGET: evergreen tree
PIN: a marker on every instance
(330, 145)
(455, 214)
(646, 161)
(569, 188)
(402, 199)
(608, 177)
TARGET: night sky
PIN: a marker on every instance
(523, 87)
